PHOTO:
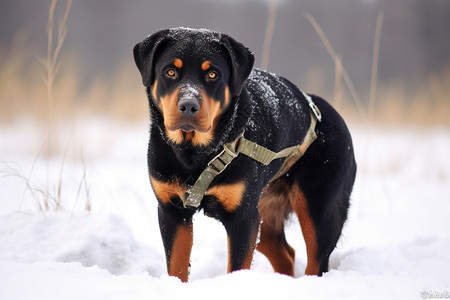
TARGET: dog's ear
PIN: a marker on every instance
(145, 54)
(241, 59)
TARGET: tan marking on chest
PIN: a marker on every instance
(229, 195)
(166, 190)
(181, 252)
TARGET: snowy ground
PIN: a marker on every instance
(395, 245)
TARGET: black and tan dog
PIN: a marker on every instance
(205, 96)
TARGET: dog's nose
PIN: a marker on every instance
(188, 107)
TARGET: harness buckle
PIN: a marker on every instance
(222, 160)
(194, 195)
(313, 106)
(315, 111)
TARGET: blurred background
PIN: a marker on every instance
(406, 82)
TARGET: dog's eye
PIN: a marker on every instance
(171, 73)
(212, 75)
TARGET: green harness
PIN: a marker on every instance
(195, 194)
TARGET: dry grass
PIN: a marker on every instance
(389, 104)
(120, 95)
(427, 105)
(47, 198)
(268, 35)
(24, 95)
(375, 58)
(16, 96)
(49, 89)
(339, 68)
(52, 63)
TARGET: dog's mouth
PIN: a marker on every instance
(187, 128)
(188, 125)
(189, 131)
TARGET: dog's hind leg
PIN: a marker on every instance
(274, 208)
(320, 231)
(300, 207)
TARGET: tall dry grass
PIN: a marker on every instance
(268, 35)
(23, 93)
(120, 95)
(340, 71)
(18, 100)
(49, 88)
(393, 103)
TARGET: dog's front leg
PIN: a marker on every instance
(177, 235)
(242, 230)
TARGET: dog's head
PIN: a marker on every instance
(192, 77)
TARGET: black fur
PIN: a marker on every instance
(270, 111)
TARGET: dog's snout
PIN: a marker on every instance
(188, 107)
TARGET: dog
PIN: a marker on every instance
(206, 99)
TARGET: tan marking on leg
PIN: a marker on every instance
(206, 65)
(300, 206)
(249, 258)
(274, 208)
(181, 252)
(166, 190)
(274, 205)
(229, 195)
(279, 253)
(247, 263)
(178, 63)
(229, 254)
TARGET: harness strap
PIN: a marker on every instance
(195, 194)
(299, 150)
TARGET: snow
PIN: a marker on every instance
(395, 244)
(188, 91)
(184, 37)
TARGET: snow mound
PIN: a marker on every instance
(99, 240)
